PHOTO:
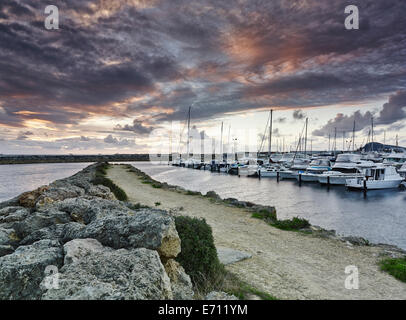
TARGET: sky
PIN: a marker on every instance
(119, 76)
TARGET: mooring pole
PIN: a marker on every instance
(365, 187)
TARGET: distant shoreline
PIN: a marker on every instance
(31, 159)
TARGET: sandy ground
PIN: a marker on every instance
(287, 265)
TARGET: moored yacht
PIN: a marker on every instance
(298, 166)
(402, 171)
(379, 177)
(347, 166)
(248, 168)
(396, 159)
(315, 168)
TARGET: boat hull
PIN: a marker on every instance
(335, 180)
(268, 174)
(309, 177)
(248, 172)
(373, 184)
(287, 175)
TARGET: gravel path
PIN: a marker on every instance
(287, 265)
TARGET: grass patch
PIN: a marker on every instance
(291, 224)
(192, 193)
(395, 267)
(156, 186)
(100, 178)
(157, 204)
(267, 215)
(136, 206)
(242, 290)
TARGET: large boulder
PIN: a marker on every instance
(22, 271)
(181, 284)
(29, 199)
(94, 272)
(86, 209)
(77, 249)
(60, 232)
(146, 228)
(41, 219)
(8, 237)
(54, 194)
(10, 215)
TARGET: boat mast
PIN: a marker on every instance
(372, 125)
(221, 142)
(335, 141)
(305, 146)
(170, 145)
(270, 136)
(188, 131)
(329, 146)
(353, 137)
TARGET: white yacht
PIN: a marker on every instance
(347, 166)
(372, 156)
(380, 177)
(396, 159)
(315, 168)
(248, 168)
(402, 171)
(299, 165)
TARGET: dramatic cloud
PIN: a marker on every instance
(24, 135)
(298, 115)
(392, 112)
(151, 60)
(137, 127)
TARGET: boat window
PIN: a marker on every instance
(345, 170)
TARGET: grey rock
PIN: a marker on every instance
(39, 220)
(181, 284)
(356, 241)
(54, 194)
(8, 237)
(229, 256)
(100, 191)
(60, 232)
(22, 271)
(77, 249)
(147, 228)
(213, 195)
(107, 274)
(85, 210)
(9, 203)
(9, 215)
(219, 295)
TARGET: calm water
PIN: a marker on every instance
(18, 178)
(381, 217)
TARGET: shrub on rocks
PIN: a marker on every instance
(291, 224)
(198, 255)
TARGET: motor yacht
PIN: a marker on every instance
(379, 177)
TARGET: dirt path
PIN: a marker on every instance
(287, 265)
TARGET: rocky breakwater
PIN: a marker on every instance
(73, 240)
